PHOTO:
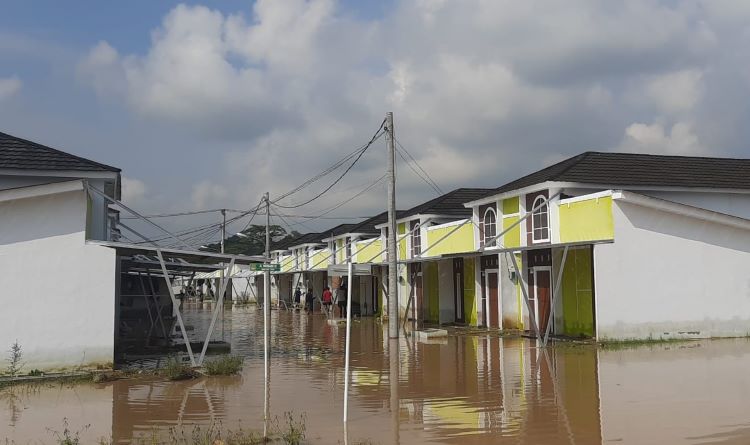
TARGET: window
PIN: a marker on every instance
(349, 248)
(489, 222)
(416, 240)
(540, 220)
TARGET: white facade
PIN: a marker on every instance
(58, 294)
(671, 274)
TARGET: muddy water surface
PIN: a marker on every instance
(469, 388)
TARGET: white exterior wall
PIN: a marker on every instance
(728, 203)
(58, 297)
(668, 275)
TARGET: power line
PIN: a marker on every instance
(427, 175)
(400, 153)
(337, 206)
(360, 152)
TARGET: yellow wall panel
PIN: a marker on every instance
(460, 241)
(588, 220)
(371, 253)
(513, 237)
(320, 260)
(510, 206)
(401, 244)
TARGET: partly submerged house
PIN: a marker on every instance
(73, 293)
(58, 292)
(435, 249)
(618, 246)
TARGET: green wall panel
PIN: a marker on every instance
(578, 296)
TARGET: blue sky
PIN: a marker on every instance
(208, 104)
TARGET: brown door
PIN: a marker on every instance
(542, 287)
(494, 315)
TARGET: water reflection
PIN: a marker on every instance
(467, 388)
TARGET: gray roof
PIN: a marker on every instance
(640, 170)
(449, 204)
(21, 154)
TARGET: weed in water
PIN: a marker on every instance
(175, 369)
(224, 365)
(66, 436)
(14, 360)
(293, 431)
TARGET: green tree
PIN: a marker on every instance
(254, 241)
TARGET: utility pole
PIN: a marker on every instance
(223, 277)
(267, 319)
(223, 228)
(392, 258)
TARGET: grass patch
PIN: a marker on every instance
(289, 431)
(224, 365)
(175, 369)
(632, 343)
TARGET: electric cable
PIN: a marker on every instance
(359, 155)
(433, 186)
(433, 183)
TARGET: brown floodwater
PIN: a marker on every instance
(469, 388)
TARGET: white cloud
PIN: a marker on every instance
(680, 139)
(482, 91)
(133, 191)
(675, 92)
(9, 86)
(206, 194)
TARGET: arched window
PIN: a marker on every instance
(489, 222)
(540, 220)
(416, 241)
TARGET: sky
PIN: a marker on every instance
(210, 104)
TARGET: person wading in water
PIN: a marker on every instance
(327, 300)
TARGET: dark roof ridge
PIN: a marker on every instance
(45, 147)
(658, 155)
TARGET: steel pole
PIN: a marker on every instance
(267, 318)
(392, 259)
(349, 283)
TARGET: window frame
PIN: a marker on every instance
(484, 227)
(416, 235)
(536, 212)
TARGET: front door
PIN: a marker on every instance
(493, 305)
(542, 297)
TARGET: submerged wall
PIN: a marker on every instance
(58, 296)
(668, 275)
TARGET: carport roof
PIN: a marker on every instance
(175, 255)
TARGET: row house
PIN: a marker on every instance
(600, 245)
(618, 246)
(435, 251)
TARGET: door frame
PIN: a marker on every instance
(458, 291)
(486, 292)
(535, 298)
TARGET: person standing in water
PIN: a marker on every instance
(297, 297)
(341, 299)
(309, 301)
(327, 300)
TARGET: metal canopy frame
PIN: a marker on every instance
(170, 263)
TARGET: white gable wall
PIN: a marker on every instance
(734, 204)
(58, 295)
(668, 275)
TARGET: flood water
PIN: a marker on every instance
(468, 388)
